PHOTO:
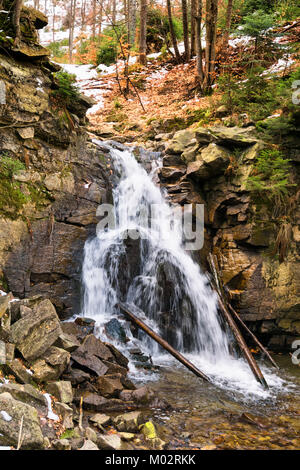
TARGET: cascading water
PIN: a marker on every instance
(153, 271)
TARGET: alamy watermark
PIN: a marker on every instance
(296, 354)
(185, 221)
(296, 93)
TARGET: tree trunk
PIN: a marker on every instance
(71, 29)
(114, 11)
(227, 24)
(210, 49)
(199, 63)
(143, 33)
(16, 20)
(94, 13)
(193, 26)
(185, 22)
(172, 32)
(131, 21)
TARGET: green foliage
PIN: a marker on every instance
(56, 48)
(270, 176)
(66, 91)
(287, 10)
(107, 52)
(257, 25)
(67, 434)
(158, 30)
(11, 196)
(250, 6)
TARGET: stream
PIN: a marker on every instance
(140, 259)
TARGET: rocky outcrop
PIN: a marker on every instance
(74, 381)
(54, 179)
(211, 166)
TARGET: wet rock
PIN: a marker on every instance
(36, 332)
(110, 442)
(114, 368)
(120, 358)
(26, 394)
(172, 160)
(89, 445)
(142, 395)
(87, 324)
(109, 385)
(94, 347)
(51, 365)
(115, 331)
(128, 422)
(61, 390)
(100, 420)
(66, 413)
(12, 411)
(61, 444)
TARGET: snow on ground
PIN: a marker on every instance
(279, 66)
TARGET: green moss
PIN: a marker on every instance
(68, 434)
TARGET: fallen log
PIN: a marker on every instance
(238, 336)
(215, 268)
(261, 347)
(126, 309)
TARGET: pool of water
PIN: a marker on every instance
(207, 416)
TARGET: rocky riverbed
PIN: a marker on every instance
(62, 388)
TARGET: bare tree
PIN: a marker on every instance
(172, 32)
(193, 26)
(143, 32)
(131, 20)
(185, 22)
(72, 16)
(227, 24)
(198, 41)
(16, 20)
(210, 49)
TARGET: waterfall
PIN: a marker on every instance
(153, 271)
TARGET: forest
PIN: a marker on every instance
(149, 227)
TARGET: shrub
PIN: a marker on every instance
(270, 176)
(107, 53)
(66, 91)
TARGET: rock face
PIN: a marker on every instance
(238, 228)
(53, 199)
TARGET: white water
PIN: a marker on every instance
(195, 326)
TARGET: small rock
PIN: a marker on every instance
(89, 445)
(77, 443)
(87, 323)
(128, 422)
(61, 444)
(100, 419)
(120, 358)
(127, 436)
(51, 364)
(62, 390)
(67, 342)
(26, 394)
(90, 434)
(66, 412)
(109, 386)
(26, 132)
(19, 371)
(109, 442)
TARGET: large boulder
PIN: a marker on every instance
(211, 162)
(11, 413)
(51, 365)
(37, 331)
(26, 394)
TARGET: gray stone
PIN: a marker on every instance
(10, 421)
(61, 444)
(89, 445)
(36, 332)
(100, 420)
(26, 394)
(66, 413)
(62, 390)
(128, 422)
(110, 442)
